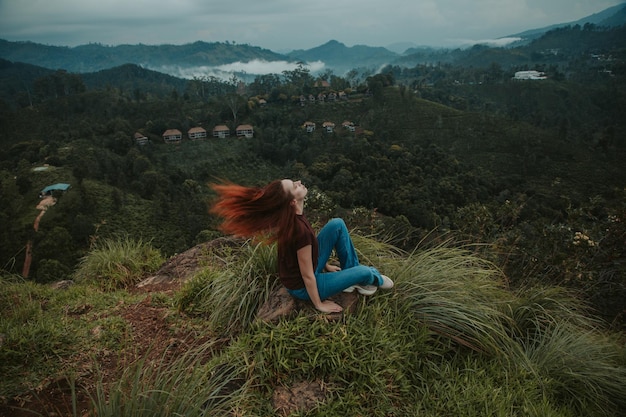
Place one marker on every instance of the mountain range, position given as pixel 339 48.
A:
pixel 200 57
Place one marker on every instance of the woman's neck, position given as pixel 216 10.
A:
pixel 299 207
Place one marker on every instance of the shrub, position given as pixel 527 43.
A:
pixel 118 263
pixel 230 297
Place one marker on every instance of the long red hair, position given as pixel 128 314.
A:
pixel 255 211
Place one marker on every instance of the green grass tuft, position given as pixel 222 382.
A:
pixel 230 297
pixel 458 296
pixel 185 387
pixel 116 264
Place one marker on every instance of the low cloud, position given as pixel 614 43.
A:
pixel 260 67
pixel 226 71
pixel 491 42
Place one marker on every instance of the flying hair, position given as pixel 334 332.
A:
pixel 255 211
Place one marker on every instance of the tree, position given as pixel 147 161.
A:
pixel 300 78
pixel 59 84
pixel 264 84
pixel 235 103
pixel 495 72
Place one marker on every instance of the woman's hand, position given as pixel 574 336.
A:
pixel 332 268
pixel 328 306
pixel 305 262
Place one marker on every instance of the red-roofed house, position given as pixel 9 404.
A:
pixel 140 138
pixel 309 126
pixel 221 131
pixel 321 83
pixel 348 125
pixel 196 133
pixel 244 130
pixel 172 136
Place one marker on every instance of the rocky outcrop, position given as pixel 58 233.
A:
pixel 182 267
pixel 280 304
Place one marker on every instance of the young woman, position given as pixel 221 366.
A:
pixel 277 211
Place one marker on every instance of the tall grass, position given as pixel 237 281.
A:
pixel 450 339
pixel 458 296
pixel 577 367
pixel 376 253
pixel 564 346
pixel 230 297
pixel 363 364
pixel 185 387
pixel 535 308
pixel 405 351
pixel 118 263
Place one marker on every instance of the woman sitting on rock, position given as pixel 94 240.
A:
pixel 277 211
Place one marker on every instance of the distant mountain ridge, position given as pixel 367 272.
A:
pixel 611 17
pixel 95 57
pixel 337 55
pixel 334 55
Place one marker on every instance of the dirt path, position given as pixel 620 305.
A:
pixel 43 206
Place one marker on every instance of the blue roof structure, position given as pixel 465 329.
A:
pixel 59 186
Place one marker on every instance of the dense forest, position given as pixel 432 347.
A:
pixel 530 172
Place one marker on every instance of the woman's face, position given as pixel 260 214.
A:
pixel 295 188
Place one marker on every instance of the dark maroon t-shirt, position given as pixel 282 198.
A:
pixel 288 268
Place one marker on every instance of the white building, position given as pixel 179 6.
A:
pixel 530 75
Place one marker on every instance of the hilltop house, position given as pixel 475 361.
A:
pixel 309 126
pixel 328 126
pixel 321 84
pixel 221 131
pixel 348 125
pixel 244 130
pixel 140 139
pixel 196 133
pixel 172 136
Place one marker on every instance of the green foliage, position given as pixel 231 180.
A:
pixel 404 352
pixel 577 368
pixel 25 303
pixel 111 332
pixel 450 339
pixel 185 387
pixel 437 284
pixel 230 297
pixel 367 362
pixel 116 264
pixel 536 308
pixel 41 329
pixel 486 157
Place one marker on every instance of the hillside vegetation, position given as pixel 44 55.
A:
pixel 497 205
pixel 450 339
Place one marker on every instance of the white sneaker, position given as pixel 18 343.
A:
pixel 387 283
pixel 362 289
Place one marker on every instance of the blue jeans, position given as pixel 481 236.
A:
pixel 335 236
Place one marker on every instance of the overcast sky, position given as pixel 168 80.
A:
pixel 282 25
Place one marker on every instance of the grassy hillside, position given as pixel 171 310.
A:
pixel 497 206
pixel 450 339
pixel 415 166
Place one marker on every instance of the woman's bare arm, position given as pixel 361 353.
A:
pixel 305 262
